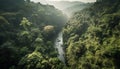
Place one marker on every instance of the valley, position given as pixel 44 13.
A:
pixel 37 34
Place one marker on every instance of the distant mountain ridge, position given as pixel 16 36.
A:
pixel 64 4
pixel 69 7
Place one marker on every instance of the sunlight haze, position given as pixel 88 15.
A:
pixel 75 0
pixel 64 0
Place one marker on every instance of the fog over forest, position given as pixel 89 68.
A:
pixel 59 34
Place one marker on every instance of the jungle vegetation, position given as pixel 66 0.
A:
pixel 92 37
pixel 27 31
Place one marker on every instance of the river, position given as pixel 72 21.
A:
pixel 58 46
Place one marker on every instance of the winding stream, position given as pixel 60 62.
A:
pixel 58 46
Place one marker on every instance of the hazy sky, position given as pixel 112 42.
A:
pixel 64 0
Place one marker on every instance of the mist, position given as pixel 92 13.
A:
pixel 68 7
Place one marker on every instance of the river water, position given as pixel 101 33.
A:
pixel 58 46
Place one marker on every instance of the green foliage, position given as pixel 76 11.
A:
pixel 24 43
pixel 25 23
pixel 3 20
pixel 92 37
pixel 37 61
pixel 6 5
pixel 8 50
pixel 3 23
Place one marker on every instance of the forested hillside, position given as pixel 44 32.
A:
pixel 64 4
pixel 76 7
pixel 92 37
pixel 27 31
pixel 28 34
pixel 69 7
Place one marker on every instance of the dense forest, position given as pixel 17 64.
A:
pixel 27 31
pixel 91 36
